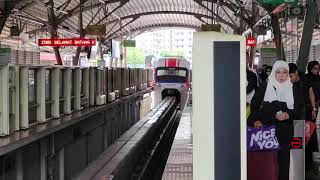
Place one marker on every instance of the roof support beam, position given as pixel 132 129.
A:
pixel 223 9
pixel 240 15
pixel 137 33
pixel 112 28
pixel 87 8
pixel 200 19
pixel 26 5
pixel 82 34
pixel 71 12
pixel 121 27
pixel 277 37
pixel 309 22
pixel 176 12
pixel 122 3
pixel 53 21
pixel 231 6
pixel 76 10
pixel 63 6
pixel 233 26
pixel 239 6
pixel 203 21
pixel 95 15
pixel 6 7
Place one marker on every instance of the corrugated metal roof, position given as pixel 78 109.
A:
pixel 145 14
pixel 129 17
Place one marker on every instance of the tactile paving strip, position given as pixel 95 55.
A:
pixel 179 163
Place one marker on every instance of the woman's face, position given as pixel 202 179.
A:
pixel 315 70
pixel 281 75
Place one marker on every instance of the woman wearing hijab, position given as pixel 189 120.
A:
pixel 312 80
pixel 273 104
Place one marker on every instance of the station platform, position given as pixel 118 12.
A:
pixel 315 174
pixel 179 163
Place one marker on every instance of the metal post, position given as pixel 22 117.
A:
pixel 19 159
pixel 61 164
pixel 4 100
pixel 67 91
pixel 277 37
pixel 100 97
pixel 43 159
pixel 111 62
pixel 92 82
pixel 24 100
pixel 86 86
pixel 55 110
pixel 98 82
pixel 15 100
pixel 77 89
pixel 41 94
pixel 254 34
pixel 125 57
pixel 309 22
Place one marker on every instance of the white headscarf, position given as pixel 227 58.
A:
pixel 279 91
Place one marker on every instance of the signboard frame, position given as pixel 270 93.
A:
pixel 67 42
pixel 129 43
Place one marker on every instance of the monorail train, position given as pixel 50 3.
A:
pixel 172 78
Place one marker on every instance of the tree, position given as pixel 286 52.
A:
pixel 176 53
pixel 180 52
pixel 135 56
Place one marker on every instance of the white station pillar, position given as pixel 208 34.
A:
pixel 219 120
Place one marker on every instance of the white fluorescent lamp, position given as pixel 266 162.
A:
pixel 64 12
pixel 102 1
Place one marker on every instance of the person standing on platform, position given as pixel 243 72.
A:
pixel 252 81
pixel 273 104
pixel 312 80
pixel 300 91
pixel 263 74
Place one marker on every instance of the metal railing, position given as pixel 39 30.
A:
pixel 32 94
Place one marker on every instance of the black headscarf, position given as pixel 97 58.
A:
pixel 310 75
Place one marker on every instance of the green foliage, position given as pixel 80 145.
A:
pixel 177 53
pixel 135 56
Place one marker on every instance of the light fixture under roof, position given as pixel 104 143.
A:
pixel 102 1
pixel 64 12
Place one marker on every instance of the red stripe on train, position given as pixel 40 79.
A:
pixel 172 63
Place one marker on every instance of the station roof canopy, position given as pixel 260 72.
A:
pixel 129 17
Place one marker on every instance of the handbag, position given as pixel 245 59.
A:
pixel 309 130
pixel 262 139
pixel 247 110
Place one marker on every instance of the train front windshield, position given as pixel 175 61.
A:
pixel 171 75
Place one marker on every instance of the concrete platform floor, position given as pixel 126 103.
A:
pixel 179 163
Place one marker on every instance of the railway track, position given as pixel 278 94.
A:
pixel 141 152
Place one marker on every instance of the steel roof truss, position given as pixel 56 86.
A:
pixel 177 12
pixel 95 15
pixel 118 7
pixel 123 26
